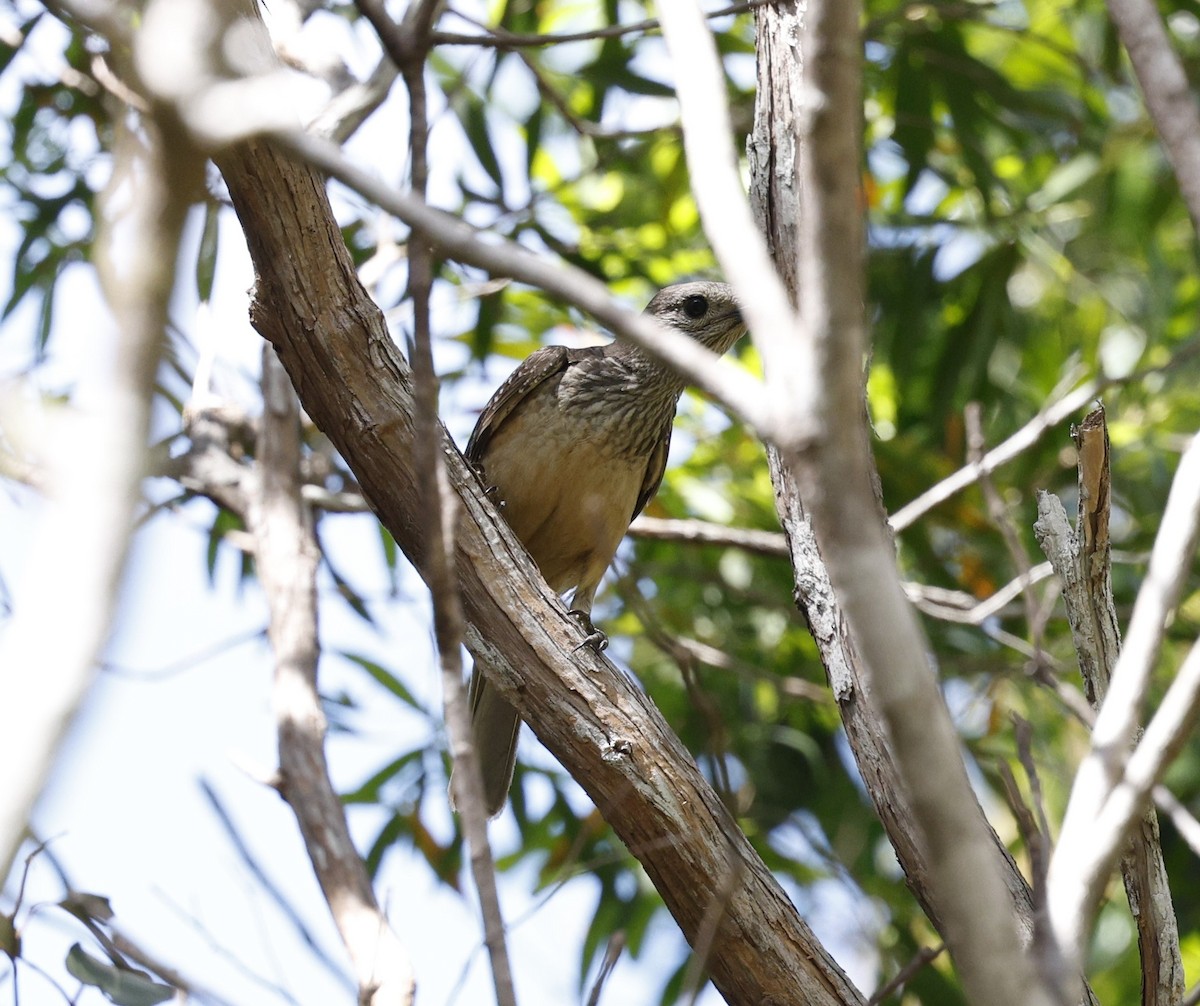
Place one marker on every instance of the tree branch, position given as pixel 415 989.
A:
pixel 728 221
pixel 1081 558
pixel 1167 91
pixel 807 199
pixel 287 554
pixel 1051 417
pixel 408 47
pixel 334 343
pixel 1108 786
pixel 497 38
pixel 701 532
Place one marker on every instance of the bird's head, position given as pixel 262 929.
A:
pixel 706 311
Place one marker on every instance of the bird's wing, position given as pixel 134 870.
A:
pixel 540 366
pixel 656 465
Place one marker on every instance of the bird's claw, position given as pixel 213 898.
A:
pixel 596 639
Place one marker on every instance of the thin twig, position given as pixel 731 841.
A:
pixel 702 532
pixel 937 602
pixel 204 933
pixel 353 105
pixel 965 609
pixel 1047 419
pixel 585 127
pixel 408 46
pixel 278 896
pixel 83 908
pixel 182 664
pixel 1038 842
pixel 1183 819
pixel 1027 826
pixel 612 954
pixel 923 958
pixel 1002 519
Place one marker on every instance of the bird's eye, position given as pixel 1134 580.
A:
pixel 695 306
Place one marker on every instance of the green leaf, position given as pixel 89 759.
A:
pixel 347 592
pixel 386 678
pixel 87 907
pixel 371 790
pixel 391 556
pixel 387 837
pixel 223 523
pixel 206 256
pixel 122 986
pixel 475 124
pixel 914 111
pixel 533 137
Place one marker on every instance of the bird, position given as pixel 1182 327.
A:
pixel 572 446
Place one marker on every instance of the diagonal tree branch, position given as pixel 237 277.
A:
pixel 807 204
pixel 1167 91
pixel 353 383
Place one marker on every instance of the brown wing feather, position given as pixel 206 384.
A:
pixel 656 465
pixel 539 366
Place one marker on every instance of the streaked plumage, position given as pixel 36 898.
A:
pixel 574 445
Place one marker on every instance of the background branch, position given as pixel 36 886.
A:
pixel 1081 559
pixel 1167 91
pixel 1086 853
pixel 287 555
pixel 872 648
pixel 408 46
pixel 95 470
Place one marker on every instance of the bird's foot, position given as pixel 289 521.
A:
pixel 596 639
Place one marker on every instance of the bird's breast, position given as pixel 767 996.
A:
pixel 568 470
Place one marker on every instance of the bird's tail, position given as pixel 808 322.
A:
pixel 494 728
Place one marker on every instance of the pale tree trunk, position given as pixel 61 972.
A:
pixel 789 93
